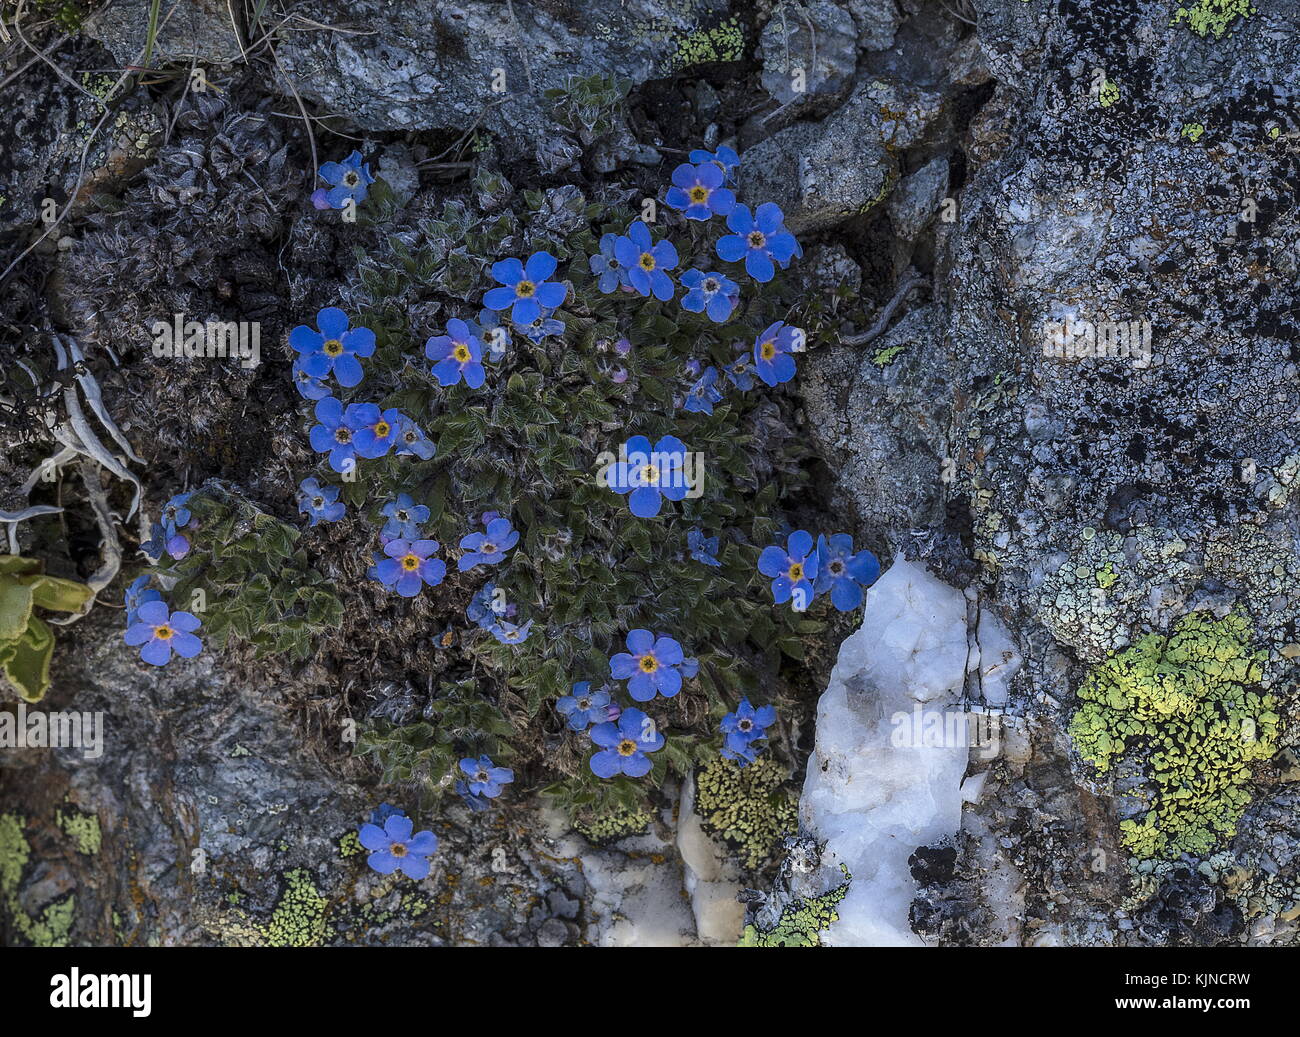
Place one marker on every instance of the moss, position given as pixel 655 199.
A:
pixel 1213 17
pixel 801 923
pixel 299 917
pixel 1191 708
pixel 82 829
pixel 749 807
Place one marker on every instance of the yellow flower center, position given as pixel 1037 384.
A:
pixel 461 353
pixel 649 664
pixel 699 194
pixel 647 261
pixel 650 474
pixel 332 347
pixel 382 429
pixel 626 747
pixel 410 562
pixel 525 289
pixel 796 572
pixel 163 633
pixel 767 350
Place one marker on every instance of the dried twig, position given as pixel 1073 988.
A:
pixel 910 281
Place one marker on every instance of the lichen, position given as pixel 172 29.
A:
pixel 613 824
pixel 722 42
pixel 82 829
pixel 1192 708
pixel 52 927
pixel 1193 131
pixel 1213 17
pixel 299 918
pixel 749 807
pixel 801 923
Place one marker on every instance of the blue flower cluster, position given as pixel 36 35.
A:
pixel 348 180
pixel 801 571
pixel 744 729
pixel 166 536
pixel 150 625
pixel 394 844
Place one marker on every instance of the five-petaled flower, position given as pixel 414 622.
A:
pixel 726 158
pixel 760 240
pixel 584 707
pixel 408 566
pixel 456 355
pixel 393 847
pixel 333 435
pixel 791 569
pixel 610 273
pixel 335 347
pixel 711 294
pixel 161 632
pixel 646 263
pixel 510 633
pixel 373 431
pixel 489 547
pixel 484 777
pixel 404 518
pixel 412 440
pixel 319 502
pixel 703 549
pixel 698 191
pixel 746 726
pixel 136 595
pixel 623 745
pixel 347 179
pixel 704 393
pixel 773 361
pixel 651 665
pixel 844 573
pixel 308 385
pixel 526 290
pixel 740 373
pixel 649 474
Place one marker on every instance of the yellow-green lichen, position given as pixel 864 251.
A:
pixel 1193 131
pixel 885 357
pixel 299 918
pixel 612 825
pixel 749 807
pixel 82 829
pixel 52 927
pixel 1193 707
pixel 1108 94
pixel 350 845
pixel 801 923
pixel 1213 17
pixel 722 42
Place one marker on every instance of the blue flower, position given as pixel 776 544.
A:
pixel 175 515
pixel 647 474
pixel 747 725
pixel 475 803
pixel 485 608
pixel 699 192
pixel 739 373
pixel 773 361
pixel 175 545
pixel 484 777
pixel 727 160
pixel 584 707
pixel 791 569
pixel 136 595
pixel 320 502
pixel 544 325
pixel 610 273
pixel 703 549
pixel 510 633
pixel 404 518
pixel 412 440
pixel 623 745
pixel 704 393
pixel 333 435
pixel 333 347
pixel 308 385
pixel 741 754
pixel 408 566
pixel 758 240
pixel 526 289
pixel 393 847
pixel 645 262
pixel 494 335
pixel 713 294
pixel 383 812
pixel 373 431
pixel 347 179
pixel 456 355
pixel 161 632
pixel 650 665
pixel 844 573
pixel 490 547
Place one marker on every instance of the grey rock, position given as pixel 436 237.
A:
pixel 809 54
pixel 914 202
pixel 877 22
pixel 201 31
